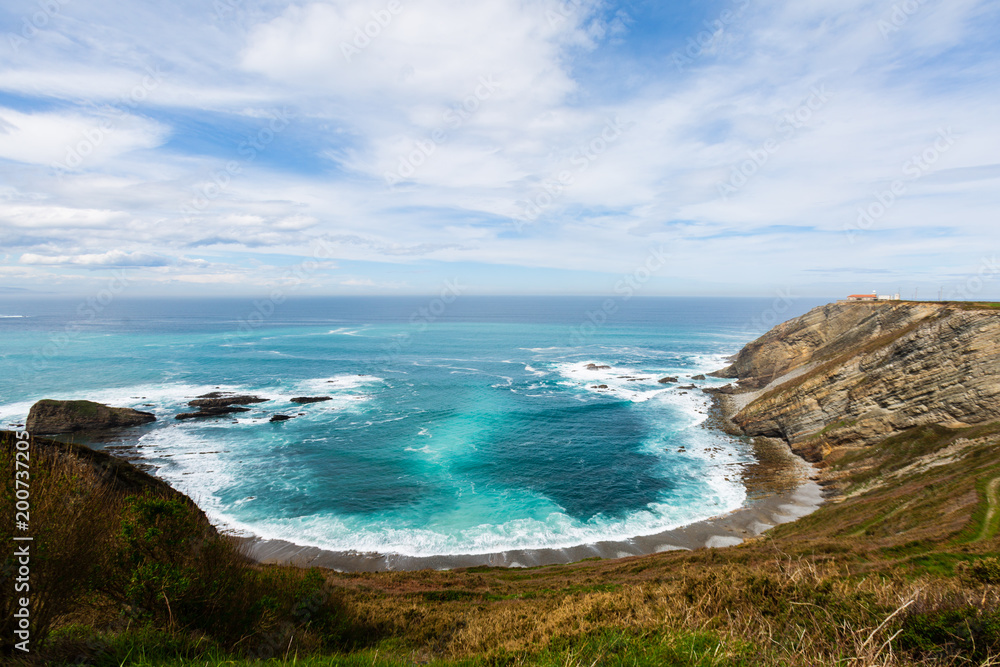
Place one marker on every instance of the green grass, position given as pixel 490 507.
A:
pixel 983 526
pixel 652 649
pixel 938 563
pixel 610 648
pixel 835 425
pixel 974 305
pixel 86 408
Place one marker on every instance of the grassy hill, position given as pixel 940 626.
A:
pixel 900 569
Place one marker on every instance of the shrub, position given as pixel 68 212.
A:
pixel 966 633
pixel 173 569
pixel 986 570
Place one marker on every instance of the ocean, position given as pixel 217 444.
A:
pixel 455 425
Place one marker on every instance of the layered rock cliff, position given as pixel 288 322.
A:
pixel 851 374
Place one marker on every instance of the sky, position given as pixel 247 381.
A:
pixel 736 147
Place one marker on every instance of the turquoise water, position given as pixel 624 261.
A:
pixel 466 427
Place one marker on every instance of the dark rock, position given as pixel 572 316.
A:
pixel 216 411
pixel 687 386
pixel 600 386
pixel 49 417
pixel 697 377
pixel 311 399
pixel 595 367
pixel 280 418
pixel 222 401
pixel 727 389
pixel 667 379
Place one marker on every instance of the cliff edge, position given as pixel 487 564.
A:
pixel 851 374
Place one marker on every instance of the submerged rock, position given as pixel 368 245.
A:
pixel 49 417
pixel 280 418
pixel 311 399
pixel 216 411
pixel 596 367
pixel 218 401
pixel 667 379
pixel 697 377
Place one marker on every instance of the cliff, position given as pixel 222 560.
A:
pixel 81 461
pixel 850 374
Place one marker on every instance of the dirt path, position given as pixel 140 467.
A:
pixel 992 506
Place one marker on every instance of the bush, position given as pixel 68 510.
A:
pixel 986 571
pixel 965 633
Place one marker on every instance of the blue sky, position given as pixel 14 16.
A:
pixel 812 147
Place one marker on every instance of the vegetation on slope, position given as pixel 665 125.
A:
pixel 900 569
pixel 118 558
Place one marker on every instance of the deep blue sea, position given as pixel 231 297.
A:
pixel 468 425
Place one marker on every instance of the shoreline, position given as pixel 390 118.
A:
pixel 781 487
pixel 722 531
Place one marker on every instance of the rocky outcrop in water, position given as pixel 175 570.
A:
pixel 49 417
pixel 851 374
pixel 218 404
pixel 215 411
pixel 219 400
pixel 311 399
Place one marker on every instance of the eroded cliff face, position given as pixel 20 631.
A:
pixel 860 372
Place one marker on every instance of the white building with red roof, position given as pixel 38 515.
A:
pixel 874 296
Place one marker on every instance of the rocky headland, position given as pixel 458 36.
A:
pixel 848 375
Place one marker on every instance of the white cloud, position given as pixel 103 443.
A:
pixel 111 258
pixel 73 140
pixel 60 217
pixel 501 145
